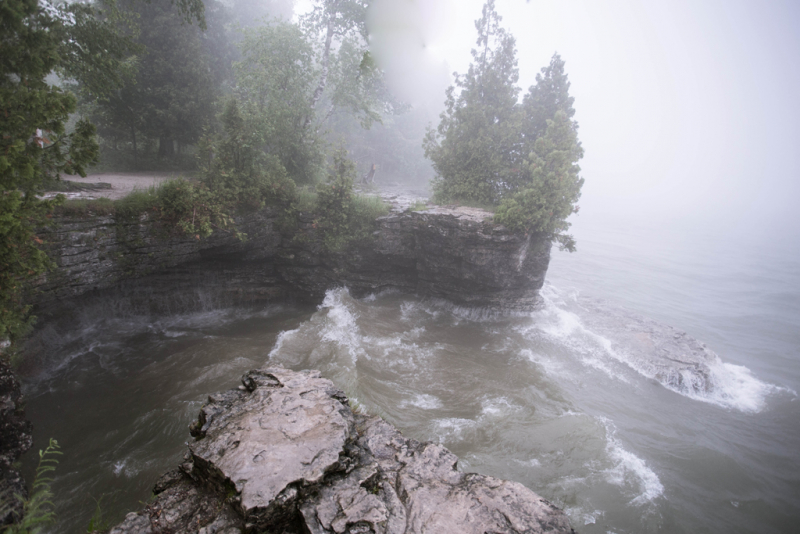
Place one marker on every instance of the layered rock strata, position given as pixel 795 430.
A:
pixel 284 453
pixel 449 253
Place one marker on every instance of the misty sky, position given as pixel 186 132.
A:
pixel 688 109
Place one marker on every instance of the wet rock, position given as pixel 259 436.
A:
pixel 269 443
pixel 286 454
pixel 453 253
pixel 182 506
pixel 656 350
pixel 15 439
pixel 409 486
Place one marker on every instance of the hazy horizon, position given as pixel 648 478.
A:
pixel 687 110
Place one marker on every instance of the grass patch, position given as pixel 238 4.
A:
pixel 138 201
pixel 419 205
pixel 369 207
pixel 85 207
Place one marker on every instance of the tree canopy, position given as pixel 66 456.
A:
pixel 492 150
pixel 476 148
pixel 39 39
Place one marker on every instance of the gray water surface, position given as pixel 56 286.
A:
pixel 559 399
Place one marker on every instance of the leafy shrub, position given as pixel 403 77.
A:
pixel 343 217
pixel 137 202
pixel 191 208
pixel 38 509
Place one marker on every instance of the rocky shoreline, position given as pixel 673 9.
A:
pixel 285 453
pixel 454 253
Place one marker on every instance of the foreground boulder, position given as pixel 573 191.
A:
pixel 284 453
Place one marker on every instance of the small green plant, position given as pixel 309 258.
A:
pixel 97 523
pixel 191 208
pixel 38 509
pixel 419 205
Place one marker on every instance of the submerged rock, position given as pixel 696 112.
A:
pixel 286 454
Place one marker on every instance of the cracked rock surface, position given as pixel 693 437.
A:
pixel 284 453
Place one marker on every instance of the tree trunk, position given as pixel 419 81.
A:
pixel 323 79
pixel 133 134
pixel 166 147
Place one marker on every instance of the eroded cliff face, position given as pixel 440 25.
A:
pixel 285 453
pixel 454 254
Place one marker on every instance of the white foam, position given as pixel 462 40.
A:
pixel 630 470
pixel 550 366
pixel 452 428
pixel 283 337
pixel 497 406
pixel 121 468
pixel 340 325
pixel 723 384
pixel 424 401
pixel 583 516
pixel 733 386
pixel 533 462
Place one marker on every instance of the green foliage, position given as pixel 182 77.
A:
pixel 491 150
pixel 476 148
pixel 419 205
pixel 38 509
pixel 174 77
pixel 138 202
pixel 334 203
pixel 38 39
pixel 98 523
pixel 83 207
pixel 341 216
pixel 274 83
pixel 545 202
pixel 548 96
pixel 305 200
pixel 191 208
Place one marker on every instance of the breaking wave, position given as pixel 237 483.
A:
pixel 600 335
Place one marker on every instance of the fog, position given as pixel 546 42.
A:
pixel 687 110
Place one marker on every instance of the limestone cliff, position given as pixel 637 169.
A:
pixel 449 253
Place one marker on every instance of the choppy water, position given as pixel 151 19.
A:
pixel 563 399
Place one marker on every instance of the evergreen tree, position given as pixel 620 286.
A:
pixel 553 186
pixel 476 149
pixel 549 96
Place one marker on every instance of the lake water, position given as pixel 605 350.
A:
pixel 560 399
